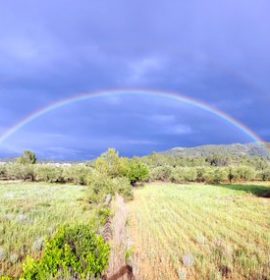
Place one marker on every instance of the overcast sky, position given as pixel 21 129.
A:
pixel 215 51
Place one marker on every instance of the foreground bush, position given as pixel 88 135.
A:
pixel 75 252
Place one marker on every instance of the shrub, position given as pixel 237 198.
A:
pixel 177 176
pixel 190 174
pixel 77 174
pixel 15 171
pixel 75 252
pixel 101 185
pixel 122 186
pixel 183 174
pixel 212 175
pixel 3 172
pixel 161 173
pixel 202 174
pixel 111 164
pixel 264 175
pixel 104 213
pixel 137 171
pixel 217 176
pixel 242 173
pixel 50 174
pixel 28 157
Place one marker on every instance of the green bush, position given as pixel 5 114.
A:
pixel 217 175
pixel 101 185
pixel 103 213
pixel 75 252
pixel 111 165
pixel 3 172
pixel 177 176
pixel 122 186
pixel 183 174
pixel 28 157
pixel 202 174
pixel 77 174
pixel 15 171
pixel 161 173
pixel 137 171
pixel 49 173
pixel 264 175
pixel 242 173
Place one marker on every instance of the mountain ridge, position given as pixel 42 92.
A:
pixel 237 149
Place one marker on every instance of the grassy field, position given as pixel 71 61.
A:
pixel 29 213
pixel 201 232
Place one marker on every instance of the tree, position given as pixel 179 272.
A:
pixel 137 171
pixel 111 164
pixel 28 157
pixel 217 160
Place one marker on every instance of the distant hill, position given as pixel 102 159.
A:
pixel 235 150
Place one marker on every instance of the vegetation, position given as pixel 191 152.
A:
pixel 201 231
pixel 32 212
pixel 49 222
pixel 74 252
pixel 28 157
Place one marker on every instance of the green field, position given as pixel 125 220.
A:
pixel 29 213
pixel 192 231
pixel 200 232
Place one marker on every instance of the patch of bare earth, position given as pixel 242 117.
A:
pixel 120 244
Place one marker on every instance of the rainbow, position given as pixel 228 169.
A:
pixel 172 95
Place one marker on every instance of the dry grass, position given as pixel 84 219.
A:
pixel 29 213
pixel 201 232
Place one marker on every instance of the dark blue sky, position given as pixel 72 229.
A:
pixel 214 51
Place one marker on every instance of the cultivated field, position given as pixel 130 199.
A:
pixel 200 232
pixel 29 213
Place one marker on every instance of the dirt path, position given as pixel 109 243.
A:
pixel 120 244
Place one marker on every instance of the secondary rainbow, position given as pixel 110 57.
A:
pixel 172 95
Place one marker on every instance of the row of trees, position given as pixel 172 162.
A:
pixel 214 160
pixel 111 169
pixel 211 175
pixel 109 164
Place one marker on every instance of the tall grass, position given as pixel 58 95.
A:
pixel 31 212
pixel 201 232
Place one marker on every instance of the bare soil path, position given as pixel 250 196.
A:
pixel 119 268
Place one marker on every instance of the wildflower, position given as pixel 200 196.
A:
pixel 188 260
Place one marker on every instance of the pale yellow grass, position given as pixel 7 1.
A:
pixel 200 232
